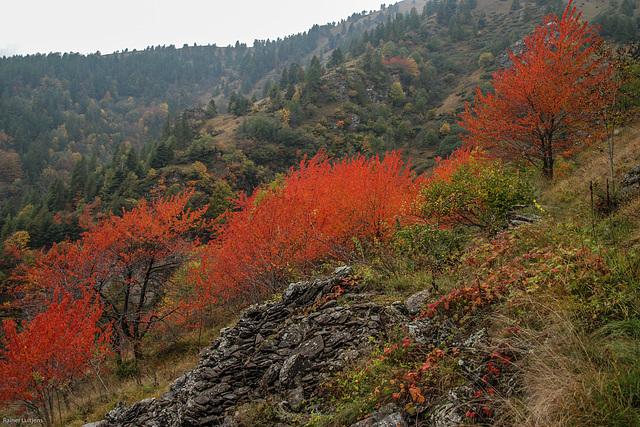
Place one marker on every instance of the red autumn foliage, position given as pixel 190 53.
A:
pixel 446 168
pixel 549 102
pixel 128 261
pixel 396 63
pixel 315 213
pixel 51 351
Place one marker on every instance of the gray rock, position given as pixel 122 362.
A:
pixel 343 272
pixel 294 290
pixel 286 347
pixel 312 348
pixel 451 412
pixel 415 303
pixel 630 183
pixel 388 416
pixel 296 398
pixel 291 367
pixel 292 337
pixel 475 338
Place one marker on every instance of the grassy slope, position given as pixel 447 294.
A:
pixel 568 321
pixel 576 355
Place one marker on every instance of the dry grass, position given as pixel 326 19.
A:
pixel 631 211
pixel 557 373
pixel 590 8
pixel 574 370
pixel 225 123
pixel 593 166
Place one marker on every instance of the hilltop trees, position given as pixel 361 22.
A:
pixel 550 101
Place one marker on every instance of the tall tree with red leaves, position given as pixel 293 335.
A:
pixel 128 261
pixel 550 101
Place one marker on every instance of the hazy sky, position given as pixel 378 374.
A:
pixel 86 26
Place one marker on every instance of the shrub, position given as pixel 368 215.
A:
pixel 469 189
pixel 310 215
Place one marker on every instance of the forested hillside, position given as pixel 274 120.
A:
pixel 153 194
pixel 394 79
pixel 64 111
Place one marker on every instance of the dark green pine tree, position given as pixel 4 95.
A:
pixel 132 162
pixel 211 111
pixel 78 181
pixel 336 59
pixel 627 7
pixel 162 155
pixel 313 80
pixel 56 198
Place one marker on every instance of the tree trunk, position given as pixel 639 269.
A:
pixel 137 350
pixel 547 160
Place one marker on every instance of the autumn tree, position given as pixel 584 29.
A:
pixel 623 61
pixel 41 362
pixel 397 97
pixel 549 102
pixel 127 260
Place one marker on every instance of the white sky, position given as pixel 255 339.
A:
pixel 86 26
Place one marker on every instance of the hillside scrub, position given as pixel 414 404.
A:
pixel 560 348
pixel 149 270
pixel 126 260
pixel 42 361
pixel 336 210
pixel 307 217
pixel 471 189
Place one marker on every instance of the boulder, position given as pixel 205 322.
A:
pixel 388 416
pixel 415 303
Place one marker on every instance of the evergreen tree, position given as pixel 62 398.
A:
pixel 78 181
pixel 627 7
pixel 337 58
pixel 397 97
pixel 211 111
pixel 56 196
pixel 132 162
pixel 162 155
pixel 284 78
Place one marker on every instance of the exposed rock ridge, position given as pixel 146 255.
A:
pixel 631 182
pixel 275 348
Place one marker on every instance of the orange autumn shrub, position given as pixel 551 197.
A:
pixel 314 213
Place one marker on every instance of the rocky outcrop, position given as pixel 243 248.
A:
pixel 285 348
pixel 630 183
pixel 338 84
pixel 195 115
pixel 503 60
